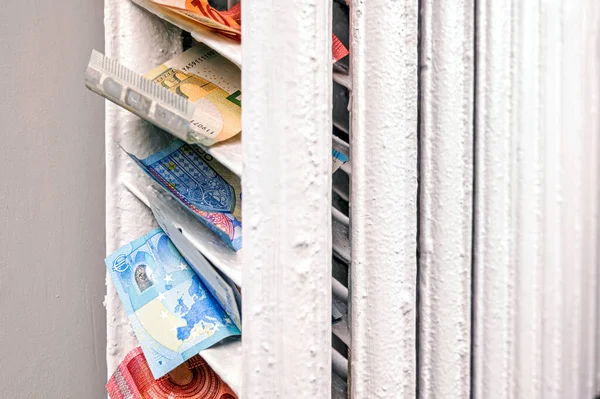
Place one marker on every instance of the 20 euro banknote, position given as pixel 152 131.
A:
pixel 173 315
pixel 213 84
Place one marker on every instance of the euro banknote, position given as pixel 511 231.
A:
pixel 204 186
pixel 339 154
pixel 179 96
pixel 173 315
pixel 224 22
pixel 193 379
pixel 227 23
pixel 133 92
pixel 186 236
pixel 212 83
pixel 168 213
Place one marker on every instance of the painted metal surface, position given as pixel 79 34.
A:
pixel 495 260
pixel 383 197
pixel 525 199
pixel 579 154
pixel 552 274
pixel 519 102
pixel 536 199
pixel 446 190
pixel 287 199
pixel 591 340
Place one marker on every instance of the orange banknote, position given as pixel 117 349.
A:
pixel 223 22
pixel 227 23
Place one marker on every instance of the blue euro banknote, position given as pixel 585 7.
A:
pixel 173 315
pixel 208 189
pixel 205 187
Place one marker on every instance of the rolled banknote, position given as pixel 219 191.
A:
pixel 213 84
pixel 173 315
pixel 193 379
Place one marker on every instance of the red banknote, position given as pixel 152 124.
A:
pixel 194 379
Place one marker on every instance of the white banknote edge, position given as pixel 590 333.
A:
pixel 176 217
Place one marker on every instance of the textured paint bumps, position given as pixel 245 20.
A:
pixel 286 182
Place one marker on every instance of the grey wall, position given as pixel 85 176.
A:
pixel 52 321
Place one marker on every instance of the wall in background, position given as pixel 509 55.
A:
pixel 52 241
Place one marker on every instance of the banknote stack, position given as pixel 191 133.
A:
pixel 226 23
pixel 213 84
pixel 193 379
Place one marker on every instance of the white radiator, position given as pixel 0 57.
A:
pixel 463 234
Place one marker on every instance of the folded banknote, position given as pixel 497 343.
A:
pixel 204 186
pixel 187 236
pixel 173 315
pixel 208 189
pixel 193 379
pixel 168 211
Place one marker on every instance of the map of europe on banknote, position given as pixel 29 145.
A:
pixel 210 190
pixel 173 315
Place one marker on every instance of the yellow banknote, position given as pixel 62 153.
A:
pixel 213 83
